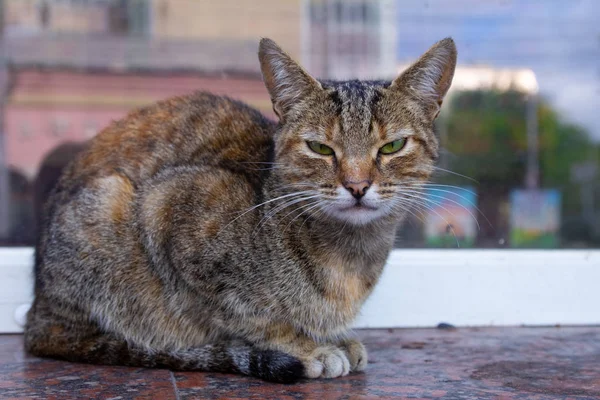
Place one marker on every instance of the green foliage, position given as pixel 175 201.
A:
pixel 484 136
pixel 486 139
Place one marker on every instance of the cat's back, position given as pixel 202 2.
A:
pixel 92 214
pixel 197 129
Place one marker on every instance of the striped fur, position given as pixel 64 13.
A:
pixel 195 234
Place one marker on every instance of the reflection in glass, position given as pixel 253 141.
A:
pixel 519 133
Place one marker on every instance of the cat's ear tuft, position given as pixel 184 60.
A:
pixel 430 77
pixel 287 82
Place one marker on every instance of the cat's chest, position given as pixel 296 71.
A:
pixel 346 283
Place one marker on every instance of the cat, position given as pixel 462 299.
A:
pixel 196 234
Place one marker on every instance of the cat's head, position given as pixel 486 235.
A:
pixel 356 150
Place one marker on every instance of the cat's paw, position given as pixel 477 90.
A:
pixel 327 362
pixel 356 353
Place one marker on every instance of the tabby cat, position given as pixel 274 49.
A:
pixel 195 234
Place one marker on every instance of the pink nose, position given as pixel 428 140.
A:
pixel 358 189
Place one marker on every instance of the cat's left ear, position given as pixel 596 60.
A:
pixel 287 82
pixel 430 77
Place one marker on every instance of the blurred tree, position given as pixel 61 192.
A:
pixel 485 139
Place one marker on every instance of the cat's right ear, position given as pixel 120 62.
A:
pixel 287 82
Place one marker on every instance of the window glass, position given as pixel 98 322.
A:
pixel 520 139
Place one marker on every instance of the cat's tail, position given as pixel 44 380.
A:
pixel 101 348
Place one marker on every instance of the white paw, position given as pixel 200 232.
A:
pixel 327 362
pixel 356 353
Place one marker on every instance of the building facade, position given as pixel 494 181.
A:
pixel 76 65
pixel 349 39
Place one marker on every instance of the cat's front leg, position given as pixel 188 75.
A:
pixel 332 361
pixel 322 359
pixel 326 362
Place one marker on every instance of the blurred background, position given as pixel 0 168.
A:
pixel 520 130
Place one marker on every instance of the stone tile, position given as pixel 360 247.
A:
pixel 11 350
pixel 493 363
pixel 490 363
pixel 26 377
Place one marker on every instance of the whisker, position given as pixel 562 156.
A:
pixel 401 202
pixel 454 202
pixel 424 204
pixel 456 173
pixel 462 197
pixel 417 203
pixel 304 206
pixel 432 184
pixel 420 184
pixel 320 210
pixel 296 185
pixel 428 200
pixel 279 208
pixel 297 216
pixel 296 209
pixel 262 204
pixel 290 202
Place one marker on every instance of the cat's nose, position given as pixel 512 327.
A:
pixel 358 189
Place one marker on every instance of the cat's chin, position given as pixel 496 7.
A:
pixel 358 215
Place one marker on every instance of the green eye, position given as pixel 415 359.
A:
pixel 393 147
pixel 320 148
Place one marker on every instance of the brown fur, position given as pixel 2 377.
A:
pixel 196 234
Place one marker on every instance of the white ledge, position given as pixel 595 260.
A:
pixel 421 288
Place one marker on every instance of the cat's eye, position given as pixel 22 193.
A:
pixel 320 148
pixel 393 147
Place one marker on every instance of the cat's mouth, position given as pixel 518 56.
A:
pixel 359 206
pixel 358 213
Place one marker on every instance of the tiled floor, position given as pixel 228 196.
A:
pixel 493 363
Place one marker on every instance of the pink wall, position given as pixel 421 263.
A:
pixel 47 108
pixel 32 132
pixel 150 86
